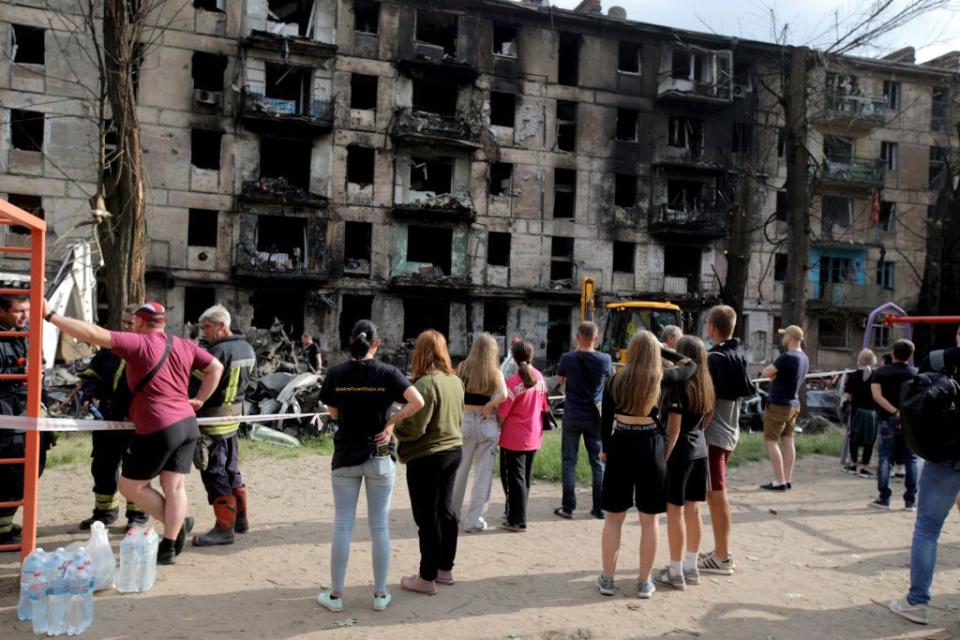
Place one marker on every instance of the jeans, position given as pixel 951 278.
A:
pixel 480 437
pixel 379 474
pixel 516 467
pixel 430 482
pixel 939 487
pixel 222 475
pixel 570 448
pixel 892 444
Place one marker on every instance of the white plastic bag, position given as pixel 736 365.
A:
pixel 101 553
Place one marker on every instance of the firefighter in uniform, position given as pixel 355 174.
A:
pixel 14 311
pixel 105 388
pixel 218 455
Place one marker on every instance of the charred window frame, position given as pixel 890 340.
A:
pixel 568 59
pixel 685 133
pixel 836 211
pixel 288 159
pixel 366 16
pixel 361 163
pixel 628 58
pixel 624 257
pixel 29 203
pixel 196 300
pixel 625 190
pixel 299 12
pixel 26 130
pixel 561 258
pixel 363 91
pixel 495 314
pixel 207 71
pixel 564 193
pixel 205 149
pixel 838 149
pixel 435 97
pixel 431 245
pixel 505 39
pixel 202 227
pixel 357 247
pixel 503 109
pixel 498 249
pixel 433 175
pixel 628 121
pixel 501 178
pixel 438 29
pixel 216 6
pixel 352 310
pixel 780 267
pixel 566 125
pixel 28 46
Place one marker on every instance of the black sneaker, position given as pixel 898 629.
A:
pixel 106 516
pixel 10 537
pixel 880 504
pixel 599 515
pixel 182 536
pixel 167 552
pixel 770 486
pixel 909 506
pixel 789 485
pixel 850 468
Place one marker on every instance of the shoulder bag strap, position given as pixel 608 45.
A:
pixel 145 380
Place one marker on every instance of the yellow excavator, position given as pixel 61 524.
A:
pixel 624 318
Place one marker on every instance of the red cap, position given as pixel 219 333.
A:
pixel 150 310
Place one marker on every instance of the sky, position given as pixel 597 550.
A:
pixel 809 22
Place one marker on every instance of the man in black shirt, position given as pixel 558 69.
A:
pixel 885 387
pixel 311 352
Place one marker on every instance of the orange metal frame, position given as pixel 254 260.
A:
pixel 11 215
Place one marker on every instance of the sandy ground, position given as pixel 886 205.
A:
pixel 810 564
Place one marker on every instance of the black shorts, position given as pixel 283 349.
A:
pixel 170 449
pixel 686 481
pixel 635 473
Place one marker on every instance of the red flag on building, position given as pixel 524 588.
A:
pixel 875 207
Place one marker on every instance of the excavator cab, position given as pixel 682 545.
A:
pixel 625 319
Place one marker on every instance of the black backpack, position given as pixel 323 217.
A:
pixel 930 413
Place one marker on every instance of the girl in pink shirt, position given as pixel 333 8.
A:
pixel 521 434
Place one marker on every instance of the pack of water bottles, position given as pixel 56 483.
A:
pixel 56 591
pixel 138 560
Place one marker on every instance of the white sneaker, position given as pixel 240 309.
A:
pixel 329 602
pixel 380 603
pixel 912 612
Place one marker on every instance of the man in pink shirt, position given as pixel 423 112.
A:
pixel 158 373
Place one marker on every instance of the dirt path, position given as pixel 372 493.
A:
pixel 810 562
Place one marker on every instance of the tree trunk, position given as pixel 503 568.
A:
pixel 798 188
pixel 738 245
pixel 124 251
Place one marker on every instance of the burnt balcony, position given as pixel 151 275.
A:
pixel 685 286
pixel 279 191
pixel 462 129
pixel 425 61
pixel 288 43
pixel 443 207
pixel 853 112
pixel 852 173
pixel 846 295
pixel 693 158
pixel 285 264
pixel 694 74
pixel 290 118
pixel 706 221
pixel 429 277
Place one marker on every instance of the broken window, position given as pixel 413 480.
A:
pixel 628 60
pixel 832 333
pixel 568 61
pixel 891 94
pixel 565 193
pixel 625 190
pixel 685 133
pixel 835 212
pixel 782 207
pixel 31 204
pixel 434 175
pixel 888 216
pixel 503 108
pixel 561 259
pixel 285 305
pixel 886 270
pixel 837 149
pixel 685 195
pixel 360 163
pixel 680 68
pixel 627 124
pixel 287 159
pixel 202 228
pixel 357 247
pixel 495 317
pixel 888 153
pixel 505 39
pixel 566 125
pixel 26 130
pixel 421 314
pixel 207 71
pixel 937 168
pixel 205 148
pixel 559 331
pixel 498 249
pixel 430 245
pixel 433 97
pixel 363 91
pixel 780 267
pixel 352 310
pixel 288 90
pixel 742 135
pixel 938 109
pixel 28 44
pixel 438 29
pixel 500 177
pixel 299 12
pixel 210 5
pixel 196 300
pixel 282 235
pixel 683 264
pixel 366 16
pixel 624 254
pixel 742 76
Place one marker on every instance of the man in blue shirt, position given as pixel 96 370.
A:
pixel 783 407
pixel 583 373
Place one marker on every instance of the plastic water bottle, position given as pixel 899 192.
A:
pixel 88 596
pixel 127 577
pixel 33 563
pixel 147 555
pixel 37 590
pixel 76 589
pixel 58 596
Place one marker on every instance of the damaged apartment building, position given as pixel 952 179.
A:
pixel 463 165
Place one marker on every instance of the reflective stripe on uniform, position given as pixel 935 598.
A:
pixel 220 429
pixel 106 501
pixel 119 374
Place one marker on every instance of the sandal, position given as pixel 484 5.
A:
pixel 418 585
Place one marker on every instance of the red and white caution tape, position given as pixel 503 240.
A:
pixel 23 423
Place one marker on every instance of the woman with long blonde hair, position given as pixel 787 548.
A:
pixel 863 413
pixel 484 391
pixel 633 451
pixel 430 446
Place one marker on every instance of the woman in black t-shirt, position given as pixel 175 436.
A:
pixel 688 409
pixel 359 395
pixel 863 413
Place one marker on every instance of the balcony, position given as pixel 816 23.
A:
pixel 700 222
pixel 846 295
pixel 425 61
pixel 290 118
pixel 278 191
pixel 854 173
pixel 287 42
pixel 853 112
pixel 685 287
pixel 442 207
pixel 290 264
pixel 694 74
pixel 422 126
pixel 695 158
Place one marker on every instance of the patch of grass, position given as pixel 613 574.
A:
pixel 751 447
pixel 254 449
pixel 71 448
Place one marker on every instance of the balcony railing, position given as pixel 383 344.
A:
pixel 704 220
pixel 284 263
pixel 305 117
pixel 854 171
pixel 870 110
pixel 685 286
pixel 461 128
pixel 850 295
pixel 438 207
